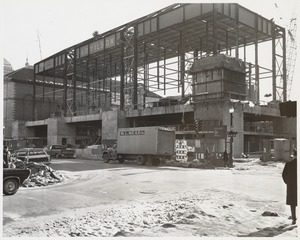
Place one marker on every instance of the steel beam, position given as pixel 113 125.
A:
pixel 256 58
pixel 34 92
pixel 182 63
pixel 135 68
pixel 74 106
pixel 122 72
pixel 65 79
pixel 274 82
pixel 284 70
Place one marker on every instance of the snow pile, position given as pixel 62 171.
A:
pixel 41 174
pixel 203 214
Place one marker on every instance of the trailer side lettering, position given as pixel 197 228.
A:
pixel 131 133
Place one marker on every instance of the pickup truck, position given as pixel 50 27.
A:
pixel 13 179
pixel 59 151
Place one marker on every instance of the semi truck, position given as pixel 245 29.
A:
pixel 144 144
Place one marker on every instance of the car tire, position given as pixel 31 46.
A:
pixel 105 158
pixel 10 186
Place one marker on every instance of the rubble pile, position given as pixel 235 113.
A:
pixel 41 174
pixel 191 164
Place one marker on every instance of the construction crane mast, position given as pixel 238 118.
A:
pixel 291 53
pixel 39 40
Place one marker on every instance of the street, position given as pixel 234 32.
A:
pixel 134 200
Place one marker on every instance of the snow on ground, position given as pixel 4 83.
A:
pixel 208 213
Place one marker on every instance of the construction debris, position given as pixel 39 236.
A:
pixel 191 164
pixel 41 174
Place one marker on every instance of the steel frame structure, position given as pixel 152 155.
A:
pixel 154 53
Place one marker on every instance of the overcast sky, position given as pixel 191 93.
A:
pixel 40 28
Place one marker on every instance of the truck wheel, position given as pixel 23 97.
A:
pixel 155 161
pixel 10 186
pixel 141 160
pixel 121 160
pixel 105 158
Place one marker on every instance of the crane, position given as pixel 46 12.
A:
pixel 291 53
pixel 38 36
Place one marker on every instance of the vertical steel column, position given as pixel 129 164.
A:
pixel 157 61
pixel 194 78
pixel 104 77
pixel 34 92
pixel 178 67
pixel 207 42
pixel 88 83
pixel 201 50
pixel 256 58
pixel 44 83
pixel 214 28
pixel 165 70
pixel 122 100
pixel 245 50
pixel 237 32
pixel 284 71
pixel 135 68
pixel 115 83
pixel 274 84
pixel 145 74
pixel 74 107
pixel 97 90
pixel 182 63
pixel 110 80
pixel 226 42
pixel 54 81
pixel 250 73
pixel 65 107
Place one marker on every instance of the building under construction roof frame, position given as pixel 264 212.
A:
pixel 156 51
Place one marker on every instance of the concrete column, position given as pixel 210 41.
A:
pixel 111 121
pixel 237 126
pixel 20 131
pixel 58 130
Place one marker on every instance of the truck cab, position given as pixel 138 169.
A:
pixel 110 153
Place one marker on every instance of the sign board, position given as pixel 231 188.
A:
pixel 220 132
pixel 181 150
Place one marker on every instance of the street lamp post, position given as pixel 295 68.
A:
pixel 231 111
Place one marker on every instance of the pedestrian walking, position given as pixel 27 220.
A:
pixel 225 158
pixel 6 157
pixel 289 176
pixel 207 153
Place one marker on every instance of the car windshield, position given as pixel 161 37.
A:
pixel 36 152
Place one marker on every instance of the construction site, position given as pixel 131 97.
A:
pixel 192 68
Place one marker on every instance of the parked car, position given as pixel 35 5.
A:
pixel 58 151
pixel 13 179
pixel 37 155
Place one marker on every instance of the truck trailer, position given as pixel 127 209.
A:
pixel 143 144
